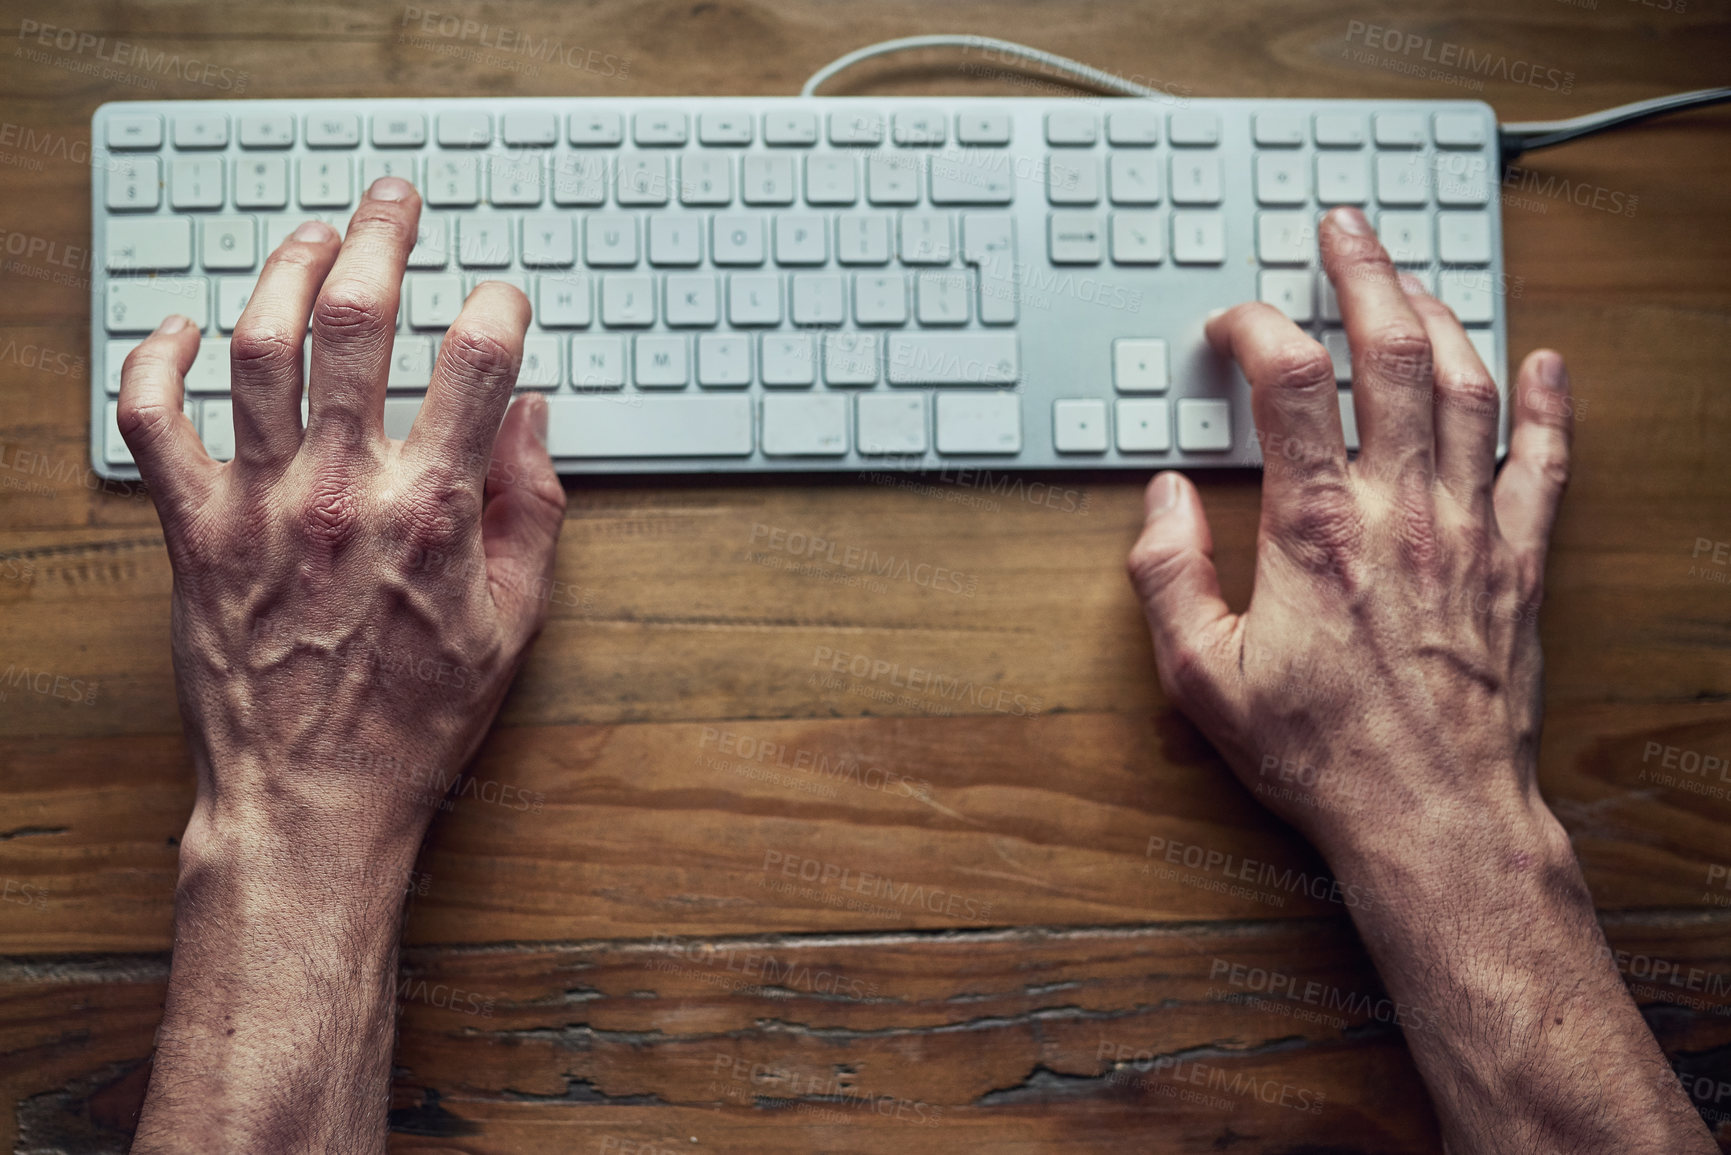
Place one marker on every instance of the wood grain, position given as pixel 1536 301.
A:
pixel 994 957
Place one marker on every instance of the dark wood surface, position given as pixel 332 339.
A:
pixel 601 952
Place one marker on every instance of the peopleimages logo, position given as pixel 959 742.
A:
pixel 1460 58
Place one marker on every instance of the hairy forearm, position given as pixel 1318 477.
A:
pixel 1524 1033
pixel 281 1005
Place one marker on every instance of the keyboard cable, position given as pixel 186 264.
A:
pixel 1514 138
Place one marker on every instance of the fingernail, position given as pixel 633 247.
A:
pixel 1553 374
pixel 1213 313
pixel 314 231
pixel 1352 221
pixel 1165 495
pixel 173 323
pixel 538 418
pixel 389 188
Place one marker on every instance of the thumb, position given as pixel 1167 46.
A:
pixel 1172 568
pixel 524 512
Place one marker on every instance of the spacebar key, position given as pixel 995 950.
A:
pixel 631 425
pixel 954 359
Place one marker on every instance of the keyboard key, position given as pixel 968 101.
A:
pixel 940 299
pixel 1399 130
pixel 989 244
pixel 754 299
pixel 880 299
pixel 216 427
pixel 786 359
pixel 817 299
pixel 1462 179
pixel 660 362
pixel 140 130
pixel 149 244
pixel 692 300
pixel 808 425
pixel 1340 130
pixel 1074 238
pixel 1288 290
pixel 114 449
pixel 1138 238
pixel 232 294
pixel 767 180
pixel 737 240
pixel 610 239
pixel 484 241
pixel 919 127
pixel 1193 129
pixel 954 359
pixel 411 363
pixel 134 183
pixel 1484 343
pixel 579 179
pixel 548 241
pixel 642 179
pixel 333 130
pixel 891 423
pixel 857 127
pixel 1132 126
pixel 893 179
pixel 465 129
pixel 403 166
pixel 431 250
pixel 529 129
pixel 1196 179
pixel 1073 180
pixel 326 182
pixel 267 130
pixel 209 372
pixel 400 414
pixel 198 130
pixel 979 423
pixel 723 361
pixel 660 127
pixel 1348 419
pixel 1133 178
pixel 690 426
pixel 982 126
pixel 261 182
pixel 540 368
pixel 1406 236
pixel 453 181
pixel 597 362
pixel 1065 126
pixel 227 242
pixel 724 128
pixel 1282 178
pixel 795 127
pixel 434 301
pixel 800 240
pixel 830 179
pixel 1463 238
pixel 974 178
pixel 563 302
pixel 1458 130
pixel 1079 426
pixel 514 181
pixel 850 358
pixel 595 129
pixel 1139 365
pixel 1342 178
pixel 675 240
pixel 706 178
pixel 1279 129
pixel 862 239
pixel 627 301
pixel 1402 178
pixel 1144 425
pixel 138 304
pixel 399 130
pixel 1339 352
pixel 1285 238
pixel 1204 425
pixel 1198 238
pixel 925 239
pixel 195 182
pixel 1469 293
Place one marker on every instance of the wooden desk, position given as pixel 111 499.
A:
pixel 1032 977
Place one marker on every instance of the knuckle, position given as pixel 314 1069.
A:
pixel 1301 366
pixel 142 421
pixel 380 223
pixel 330 514
pixel 444 508
pixel 1400 351
pixel 478 356
pixel 1326 530
pixel 1470 390
pixel 264 347
pixel 351 311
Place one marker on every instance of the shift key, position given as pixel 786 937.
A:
pixel 139 304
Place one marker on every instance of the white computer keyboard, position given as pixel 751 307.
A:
pixel 749 284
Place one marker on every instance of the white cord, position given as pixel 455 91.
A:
pixel 1527 135
pixel 1074 68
